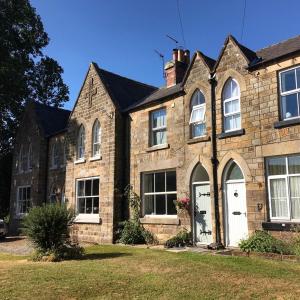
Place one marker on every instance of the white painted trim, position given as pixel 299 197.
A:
pixel 96 158
pixel 87 218
pixel 79 161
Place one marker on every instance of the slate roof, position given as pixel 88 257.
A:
pixel 51 119
pixel 123 91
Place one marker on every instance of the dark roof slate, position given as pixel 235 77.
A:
pixel 124 92
pixel 52 120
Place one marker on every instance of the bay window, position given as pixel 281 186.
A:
pixel 159 193
pixel 284 187
pixel 289 93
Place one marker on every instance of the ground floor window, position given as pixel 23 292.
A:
pixel 88 196
pixel 24 199
pixel 159 193
pixel 284 187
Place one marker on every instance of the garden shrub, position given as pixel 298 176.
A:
pixel 181 239
pixel 262 241
pixel 48 227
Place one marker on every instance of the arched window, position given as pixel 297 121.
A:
pixel 55 155
pixel 234 172
pixel 81 143
pixel 197 118
pixel 96 138
pixel 231 105
pixel 23 159
pixel 199 174
pixel 30 157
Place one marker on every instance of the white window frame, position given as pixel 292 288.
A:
pixel 21 187
pixel 96 140
pixel 159 128
pixel 158 193
pixel 286 178
pixel 237 112
pixel 287 93
pixel 86 218
pixel 81 144
pixel 195 108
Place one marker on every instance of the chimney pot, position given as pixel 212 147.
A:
pixel 175 54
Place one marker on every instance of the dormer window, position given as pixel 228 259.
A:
pixel 197 117
pixel 231 105
pixel 289 93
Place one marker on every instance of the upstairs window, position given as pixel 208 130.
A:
pixel 55 156
pixel 96 139
pixel 81 143
pixel 197 118
pixel 23 159
pixel 289 93
pixel 231 106
pixel 30 158
pixel 158 127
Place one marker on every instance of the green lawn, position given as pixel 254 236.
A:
pixel 119 272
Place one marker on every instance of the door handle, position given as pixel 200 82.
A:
pixel 204 194
pixel 236 213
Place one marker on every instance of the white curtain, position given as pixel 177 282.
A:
pixel 233 122
pixel 295 196
pixel 279 198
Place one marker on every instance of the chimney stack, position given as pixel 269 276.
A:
pixel 175 69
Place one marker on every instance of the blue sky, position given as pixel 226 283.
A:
pixel 121 35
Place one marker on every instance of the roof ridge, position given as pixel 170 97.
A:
pixel 281 42
pixel 121 76
pixel 51 107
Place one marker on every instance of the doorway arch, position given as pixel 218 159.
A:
pixel 235 204
pixel 201 202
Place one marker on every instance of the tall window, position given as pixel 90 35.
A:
pixel 231 106
pixel 23 159
pixel 158 127
pixel 24 199
pixel 81 143
pixel 55 155
pixel 54 194
pixel 96 139
pixel 284 187
pixel 159 193
pixel 289 93
pixel 30 157
pixel 88 196
pixel 197 118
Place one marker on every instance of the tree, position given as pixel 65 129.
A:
pixel 25 73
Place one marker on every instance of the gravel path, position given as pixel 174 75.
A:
pixel 15 245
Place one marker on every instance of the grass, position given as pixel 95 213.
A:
pixel 121 272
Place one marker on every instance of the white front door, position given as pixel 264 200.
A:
pixel 202 214
pixel 236 212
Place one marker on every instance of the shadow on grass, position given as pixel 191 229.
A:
pixel 100 256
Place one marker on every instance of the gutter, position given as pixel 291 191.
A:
pixel 215 162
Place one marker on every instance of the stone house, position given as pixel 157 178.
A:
pixel 224 134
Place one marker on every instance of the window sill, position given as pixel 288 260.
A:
pixel 286 123
pixel 87 218
pixel 158 147
pixel 199 139
pixel 160 220
pixel 279 225
pixel 95 158
pixel 234 133
pixel 79 161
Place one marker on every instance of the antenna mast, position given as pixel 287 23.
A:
pixel 163 61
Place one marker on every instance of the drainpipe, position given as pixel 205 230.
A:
pixel 214 160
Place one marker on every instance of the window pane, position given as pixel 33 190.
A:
pixel 160 204
pixel 232 106
pixel 198 114
pixel 227 90
pixel 171 205
pixel 294 164
pixel 199 174
pixel 278 198
pixel 80 188
pixel 159 118
pixel 234 172
pixel 160 182
pixel 295 196
pixel 159 137
pixel 148 183
pixel 88 187
pixel 298 77
pixel 96 205
pixel 234 89
pixel 289 106
pixel 24 194
pixel 288 81
pixel 277 166
pixel 95 187
pixel 149 204
pixel 233 122
pixel 81 205
pixel 198 130
pixel 89 205
pixel 171 181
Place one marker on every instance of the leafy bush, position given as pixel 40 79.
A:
pixel 262 241
pixel 181 239
pixel 48 228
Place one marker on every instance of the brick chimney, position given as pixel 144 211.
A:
pixel 175 69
